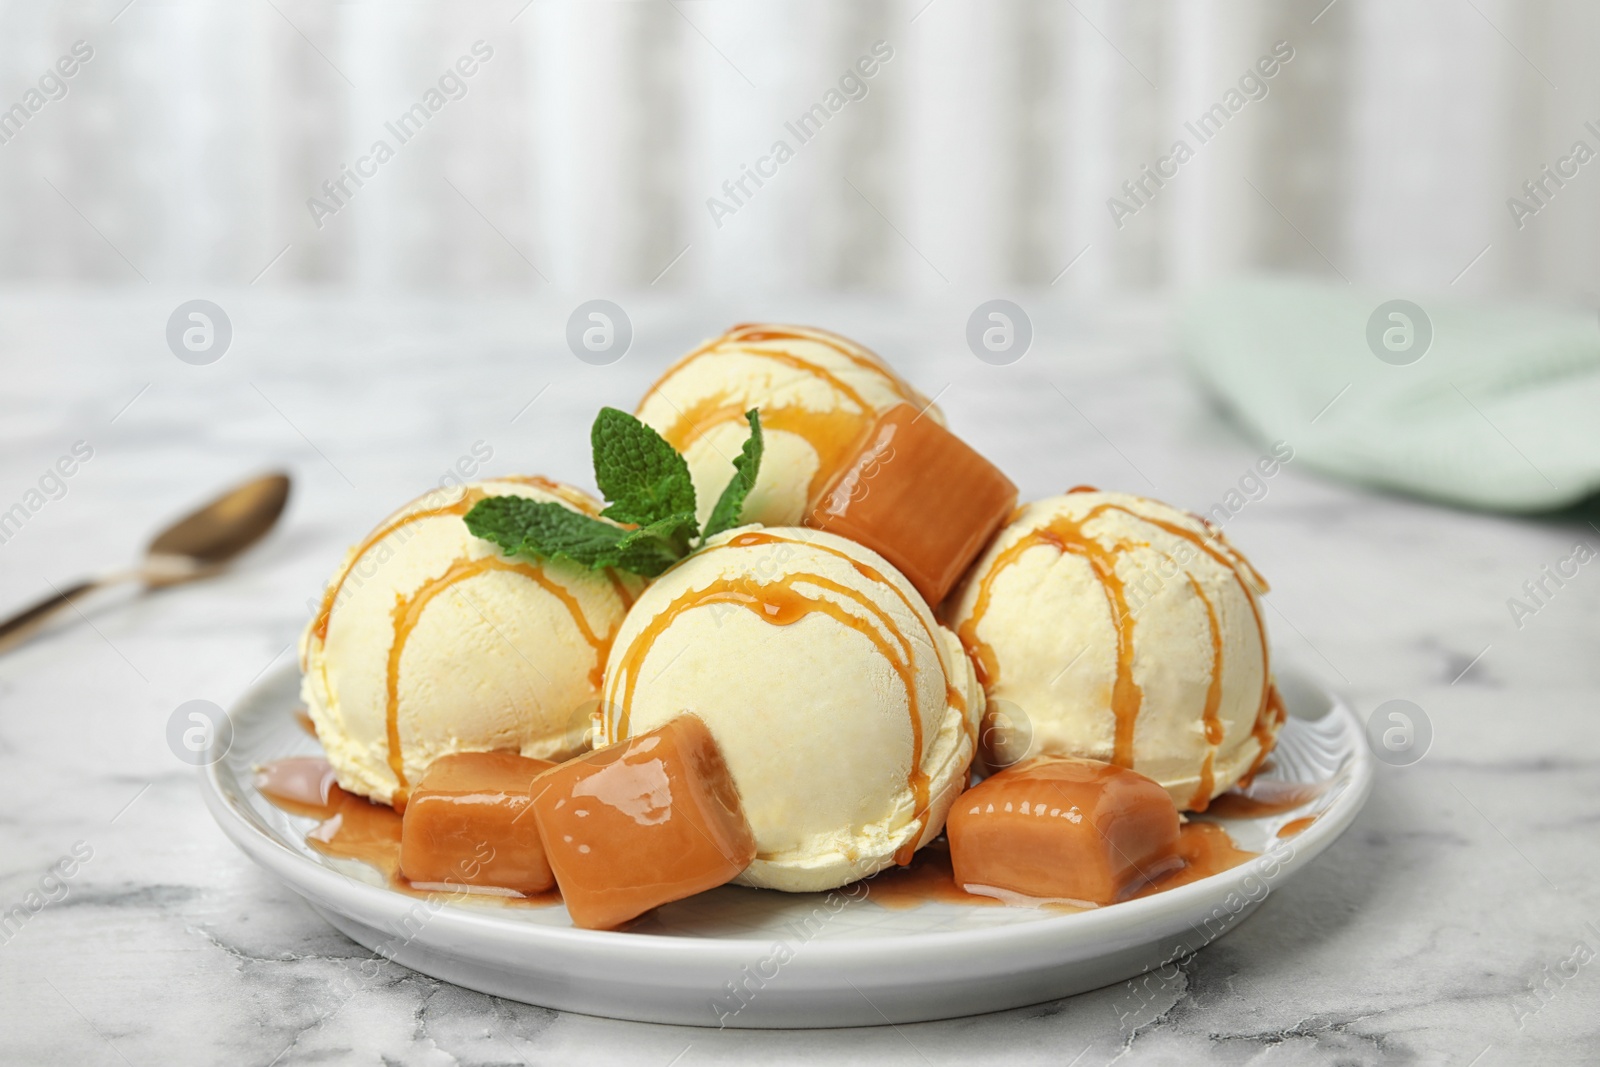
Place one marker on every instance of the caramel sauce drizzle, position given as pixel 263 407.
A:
pixel 1208 716
pixel 1067 535
pixel 984 662
pixel 1236 560
pixel 620 586
pixel 1264 731
pixel 866 359
pixel 459 507
pixel 778 603
pixel 408 612
pixel 1264 728
pixel 953 696
pixel 958 700
pixel 756 333
pixel 833 434
pixel 867 571
pixel 331 594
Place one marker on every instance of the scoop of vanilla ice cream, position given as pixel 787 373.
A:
pixel 818 394
pixel 846 713
pixel 1120 629
pixel 431 641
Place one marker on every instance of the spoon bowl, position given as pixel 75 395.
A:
pixel 202 541
pixel 197 545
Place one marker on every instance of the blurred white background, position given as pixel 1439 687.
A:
pixel 582 153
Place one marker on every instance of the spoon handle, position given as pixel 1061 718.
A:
pixel 19 627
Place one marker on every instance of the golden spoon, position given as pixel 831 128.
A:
pixel 196 546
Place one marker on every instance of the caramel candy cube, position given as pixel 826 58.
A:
pixel 1062 828
pixel 916 494
pixel 641 823
pixel 470 822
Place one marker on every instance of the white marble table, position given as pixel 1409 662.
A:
pixel 1418 938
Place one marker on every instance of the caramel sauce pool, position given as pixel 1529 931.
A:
pixel 1204 847
pixel 1295 826
pixel 352 827
pixel 349 827
pixel 1265 798
pixel 927 878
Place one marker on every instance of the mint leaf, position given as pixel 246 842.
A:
pixel 544 529
pixel 547 530
pixel 730 505
pixel 651 549
pixel 642 477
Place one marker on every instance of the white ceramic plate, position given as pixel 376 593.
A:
pixel 753 958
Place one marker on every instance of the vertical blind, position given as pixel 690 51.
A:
pixel 994 143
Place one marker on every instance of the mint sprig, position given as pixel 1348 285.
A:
pixel 647 487
pixel 725 516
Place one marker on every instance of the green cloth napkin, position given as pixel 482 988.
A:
pixel 1501 412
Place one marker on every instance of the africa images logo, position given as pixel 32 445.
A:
pixel 1141 189
pixel 452 86
pixel 808 124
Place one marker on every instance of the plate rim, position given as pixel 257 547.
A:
pixel 295 870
